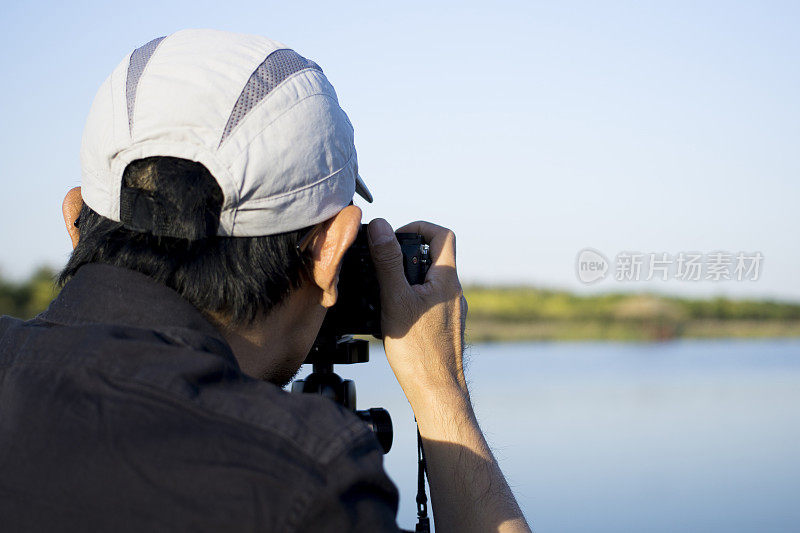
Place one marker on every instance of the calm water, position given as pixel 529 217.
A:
pixel 685 436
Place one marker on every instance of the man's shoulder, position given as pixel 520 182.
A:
pixel 185 380
pixel 7 322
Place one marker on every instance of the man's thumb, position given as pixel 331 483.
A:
pixel 386 256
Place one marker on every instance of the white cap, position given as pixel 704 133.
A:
pixel 262 119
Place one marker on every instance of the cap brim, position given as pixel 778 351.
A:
pixel 361 189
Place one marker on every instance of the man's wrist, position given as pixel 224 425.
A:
pixel 442 412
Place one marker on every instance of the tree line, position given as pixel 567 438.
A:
pixel 27 298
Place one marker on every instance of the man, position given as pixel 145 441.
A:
pixel 215 209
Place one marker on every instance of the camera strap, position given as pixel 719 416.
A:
pixel 423 522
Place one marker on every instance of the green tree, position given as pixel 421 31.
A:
pixel 30 297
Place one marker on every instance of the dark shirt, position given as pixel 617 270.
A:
pixel 123 409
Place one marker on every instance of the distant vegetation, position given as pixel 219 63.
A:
pixel 27 299
pixel 526 313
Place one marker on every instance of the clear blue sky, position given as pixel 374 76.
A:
pixel 534 130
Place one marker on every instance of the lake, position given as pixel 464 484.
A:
pixel 623 437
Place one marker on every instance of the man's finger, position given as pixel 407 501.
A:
pixel 441 240
pixel 387 257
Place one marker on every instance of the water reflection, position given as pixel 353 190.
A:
pixel 683 436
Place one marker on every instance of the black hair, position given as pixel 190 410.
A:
pixel 235 277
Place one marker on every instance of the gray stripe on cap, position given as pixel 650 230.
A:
pixel 278 66
pixel 139 59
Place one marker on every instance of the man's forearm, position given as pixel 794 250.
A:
pixel 468 490
pixel 423 334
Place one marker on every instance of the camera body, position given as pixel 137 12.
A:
pixel 358 308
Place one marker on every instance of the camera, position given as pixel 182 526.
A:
pixel 358 308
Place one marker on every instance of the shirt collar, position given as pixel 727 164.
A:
pixel 106 294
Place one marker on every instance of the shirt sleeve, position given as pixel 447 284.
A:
pixel 357 494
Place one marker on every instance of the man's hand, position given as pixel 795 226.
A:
pixel 423 325
pixel 423 333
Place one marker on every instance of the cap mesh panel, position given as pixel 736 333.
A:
pixel 139 59
pixel 278 66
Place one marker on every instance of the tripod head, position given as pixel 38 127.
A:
pixel 343 350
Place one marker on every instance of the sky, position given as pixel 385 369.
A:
pixel 533 130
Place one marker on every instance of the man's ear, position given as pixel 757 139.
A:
pixel 71 208
pixel 331 240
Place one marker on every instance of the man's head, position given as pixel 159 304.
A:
pixel 267 295
pixel 206 157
